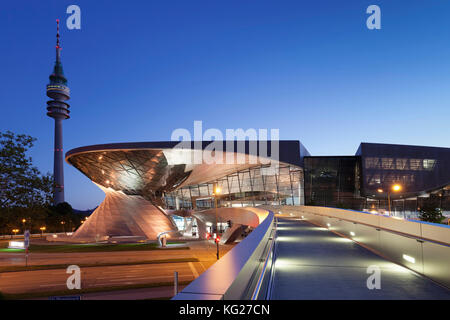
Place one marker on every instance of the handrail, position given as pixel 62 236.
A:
pixel 407 235
pixel 421 224
pixel 272 269
pixel 270 254
pixel 232 277
pixel 427 257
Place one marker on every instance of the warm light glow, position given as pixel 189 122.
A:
pixel 339 239
pixel 287 239
pixel 16 245
pixel 218 190
pixel 15 230
pixel 24 220
pixel 380 190
pixel 42 228
pixel 396 187
pixel 352 233
pixel 409 259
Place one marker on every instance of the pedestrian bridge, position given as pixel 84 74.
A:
pixel 325 253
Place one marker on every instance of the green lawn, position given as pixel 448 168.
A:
pixel 88 265
pixel 96 247
pixel 11 250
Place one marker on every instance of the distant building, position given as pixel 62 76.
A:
pixel 362 182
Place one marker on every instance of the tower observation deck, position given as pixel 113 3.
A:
pixel 58 109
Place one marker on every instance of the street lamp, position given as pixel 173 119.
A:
pixel 395 188
pixel 63 223
pixel 217 191
pixel 15 231
pixel 42 230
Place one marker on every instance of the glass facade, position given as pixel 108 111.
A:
pixel 352 182
pixel 255 186
pixel 333 182
pixel 417 169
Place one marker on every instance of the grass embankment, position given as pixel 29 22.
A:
pixel 90 290
pixel 88 265
pixel 94 247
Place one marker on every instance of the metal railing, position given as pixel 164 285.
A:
pixel 243 273
pixel 263 287
pixel 406 245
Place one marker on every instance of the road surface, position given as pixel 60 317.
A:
pixel 107 276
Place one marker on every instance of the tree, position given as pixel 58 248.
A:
pixel 24 191
pixel 21 184
pixel 430 213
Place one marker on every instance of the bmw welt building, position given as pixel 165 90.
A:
pixel 168 187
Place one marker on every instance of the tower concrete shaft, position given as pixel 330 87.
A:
pixel 58 164
pixel 58 109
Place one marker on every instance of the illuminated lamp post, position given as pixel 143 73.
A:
pixel 217 191
pixel 217 240
pixel 395 188
pixel 42 231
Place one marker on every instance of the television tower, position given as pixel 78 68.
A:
pixel 58 109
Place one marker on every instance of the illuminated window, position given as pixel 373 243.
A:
pixel 372 163
pixel 401 164
pixel 428 164
pixel 387 163
pixel 415 164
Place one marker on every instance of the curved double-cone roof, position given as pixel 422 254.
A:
pixel 154 167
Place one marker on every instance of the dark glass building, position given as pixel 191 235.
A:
pixel 363 181
pixel 332 181
pixel 417 169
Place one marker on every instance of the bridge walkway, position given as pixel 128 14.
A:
pixel 314 263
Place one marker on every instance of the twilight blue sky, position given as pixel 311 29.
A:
pixel 140 69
